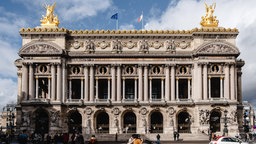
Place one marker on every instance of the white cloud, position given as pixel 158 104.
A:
pixel 8 92
pixel 127 27
pixel 230 13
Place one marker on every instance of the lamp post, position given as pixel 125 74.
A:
pixel 225 130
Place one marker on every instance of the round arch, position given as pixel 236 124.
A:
pixel 156 122
pixel 184 122
pixel 41 121
pixel 102 122
pixel 74 121
pixel 215 120
pixel 129 122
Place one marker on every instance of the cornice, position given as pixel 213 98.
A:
pixel 40 30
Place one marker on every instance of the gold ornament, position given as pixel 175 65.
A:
pixel 209 20
pixel 50 20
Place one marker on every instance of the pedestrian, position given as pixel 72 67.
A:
pixel 158 139
pixel 174 135
pixel 93 140
pixel 23 137
pixel 178 135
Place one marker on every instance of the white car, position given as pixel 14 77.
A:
pixel 227 140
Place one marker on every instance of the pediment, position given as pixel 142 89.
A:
pixel 217 48
pixel 41 48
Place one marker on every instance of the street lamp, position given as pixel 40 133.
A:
pixel 225 130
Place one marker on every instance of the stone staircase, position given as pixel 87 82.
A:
pixel 152 137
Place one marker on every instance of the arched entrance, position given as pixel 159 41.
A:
pixel 129 122
pixel 215 121
pixel 41 121
pixel 184 122
pixel 102 122
pixel 156 120
pixel 74 122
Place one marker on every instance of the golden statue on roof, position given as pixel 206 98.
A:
pixel 209 20
pixel 50 20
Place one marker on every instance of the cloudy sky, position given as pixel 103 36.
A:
pixel 95 14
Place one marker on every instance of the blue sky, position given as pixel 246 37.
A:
pixel 95 14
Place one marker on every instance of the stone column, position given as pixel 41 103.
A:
pixel 145 83
pixel 53 74
pixel 162 89
pixel 49 88
pixel 86 84
pixel 36 87
pixel 135 89
pixel 173 83
pixel 167 83
pixel 91 83
pixel 221 87
pixel 123 88
pixel 113 83
pixel 177 88
pixel 109 92
pixel 82 88
pixel 140 83
pixel 24 81
pixel 64 81
pixel 226 81
pixel 70 89
pixel 209 85
pixel 119 80
pixel 59 81
pixel 97 89
pixel 19 98
pixel 205 84
pixel 232 82
pixel 199 82
pixel 189 93
pixel 150 89
pixel 31 82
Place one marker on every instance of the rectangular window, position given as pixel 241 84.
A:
pixel 183 89
pixel 42 87
pixel 156 89
pixel 215 87
pixel 129 89
pixel 103 89
pixel 76 89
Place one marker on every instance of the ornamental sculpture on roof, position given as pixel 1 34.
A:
pixel 209 20
pixel 50 20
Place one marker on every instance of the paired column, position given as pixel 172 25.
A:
pixel 146 83
pixel 226 82
pixel 31 82
pixel 167 82
pixel 205 84
pixel 140 83
pixel 232 82
pixel 53 75
pixel 86 83
pixel 24 81
pixel 91 83
pixel 59 82
pixel 173 83
pixel 119 79
pixel 113 83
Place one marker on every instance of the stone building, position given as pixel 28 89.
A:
pixel 129 81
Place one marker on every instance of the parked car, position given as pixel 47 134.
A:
pixel 227 140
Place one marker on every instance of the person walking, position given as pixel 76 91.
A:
pixel 158 139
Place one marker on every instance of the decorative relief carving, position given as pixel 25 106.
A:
pixel 143 111
pixel 41 49
pixel 88 111
pixel 170 111
pixel 76 44
pixel 129 70
pixel 89 46
pixel 170 46
pixel 156 70
pixel 116 46
pixel 157 45
pixel 130 44
pixel 116 111
pixel 103 44
pixel 204 116
pixel 233 117
pixel 55 117
pixel 102 70
pixel 143 46
pixel 183 70
pixel 217 48
pixel 26 116
pixel 183 44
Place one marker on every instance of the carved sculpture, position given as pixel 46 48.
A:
pixel 204 116
pixel 50 19
pixel 116 46
pixel 143 46
pixel 55 117
pixel 209 20
pixel 89 46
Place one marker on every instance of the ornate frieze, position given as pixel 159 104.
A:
pixel 217 48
